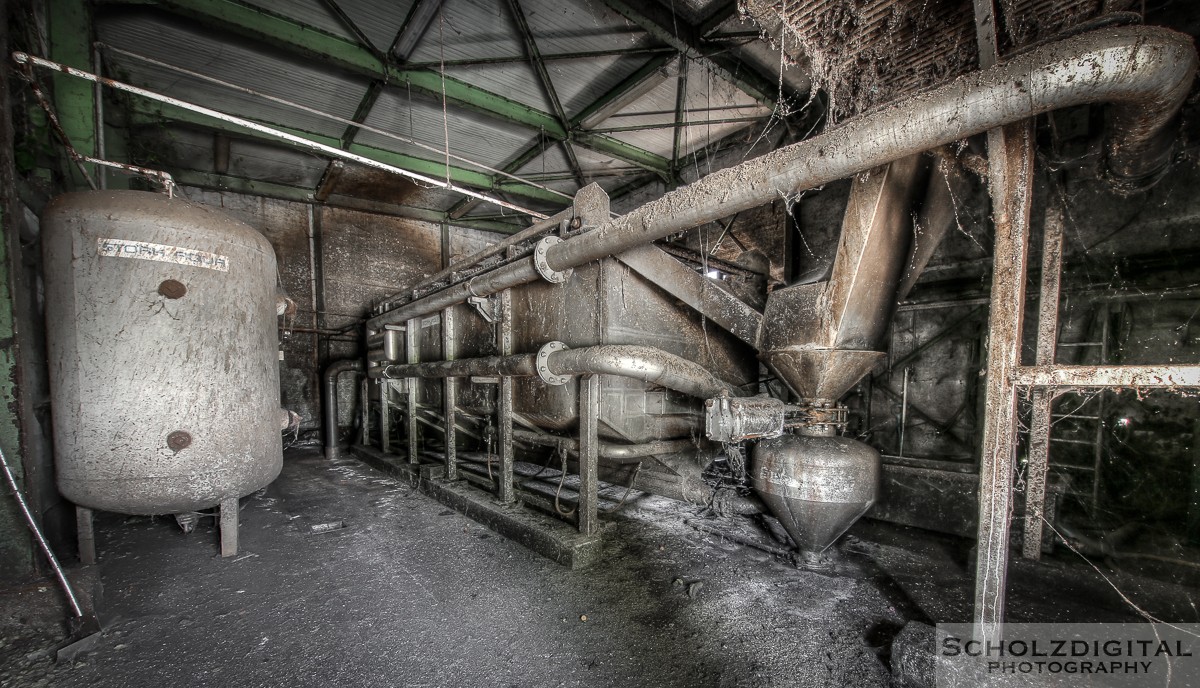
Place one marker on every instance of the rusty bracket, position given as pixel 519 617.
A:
pixel 486 306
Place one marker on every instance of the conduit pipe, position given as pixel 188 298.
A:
pixel 633 361
pixel 331 401
pixel 1144 72
pixel 614 453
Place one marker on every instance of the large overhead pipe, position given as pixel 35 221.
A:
pixel 554 364
pixel 332 431
pixel 1144 72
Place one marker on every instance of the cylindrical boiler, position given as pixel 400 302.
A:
pixel 162 340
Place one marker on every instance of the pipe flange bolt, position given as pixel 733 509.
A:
pixel 543 368
pixel 543 268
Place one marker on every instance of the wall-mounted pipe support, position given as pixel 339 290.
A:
pixel 332 372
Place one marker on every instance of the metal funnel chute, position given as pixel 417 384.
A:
pixel 821 339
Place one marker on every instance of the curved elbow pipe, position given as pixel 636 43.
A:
pixel 331 401
pixel 1145 72
pixel 638 362
pixel 641 363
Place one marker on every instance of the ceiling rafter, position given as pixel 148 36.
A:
pixel 633 86
pixel 539 66
pixel 152 115
pixel 294 37
pixel 415 25
pixel 664 25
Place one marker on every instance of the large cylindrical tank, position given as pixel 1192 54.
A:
pixel 162 339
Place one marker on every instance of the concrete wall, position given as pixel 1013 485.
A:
pixel 360 258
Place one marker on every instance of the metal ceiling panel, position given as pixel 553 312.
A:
pixel 305 82
pixel 379 20
pixel 718 97
pixel 471 135
pixel 465 30
pixel 310 12
pixel 582 26
pixel 514 80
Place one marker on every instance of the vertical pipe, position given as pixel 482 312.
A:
pixel 904 410
pixel 505 421
pixel 385 415
pixel 589 454
pixel 412 342
pixel 98 114
pixel 1043 400
pixel 86 534
pixel 1098 452
pixel 1010 181
pixel 365 411
pixel 229 527
pixel 449 393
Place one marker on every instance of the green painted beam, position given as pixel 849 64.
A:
pixel 70 34
pixel 294 37
pixel 153 114
pixel 661 23
pixel 299 194
pixel 626 85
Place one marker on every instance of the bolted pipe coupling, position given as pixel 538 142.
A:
pixel 543 268
pixel 543 361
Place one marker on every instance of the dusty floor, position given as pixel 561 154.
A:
pixel 409 593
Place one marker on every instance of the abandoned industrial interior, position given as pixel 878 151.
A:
pixel 590 342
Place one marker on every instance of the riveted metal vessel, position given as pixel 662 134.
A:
pixel 162 339
pixel 816 486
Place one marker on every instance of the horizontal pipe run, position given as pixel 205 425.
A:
pixel 638 362
pixel 1144 72
pixel 535 230
pixel 1144 376
pixel 331 401
pixel 613 453
pixel 25 58
pixel 523 365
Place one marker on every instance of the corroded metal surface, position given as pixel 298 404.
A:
pixel 817 486
pixel 1083 377
pixel 160 404
pixel 1010 176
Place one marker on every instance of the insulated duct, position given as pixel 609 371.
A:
pixel 1144 72
pixel 644 363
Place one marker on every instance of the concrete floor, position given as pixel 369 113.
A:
pixel 410 593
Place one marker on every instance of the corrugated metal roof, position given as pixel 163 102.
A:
pixel 568 27
pixel 310 12
pixel 515 81
pixel 720 99
pixel 307 83
pixel 465 30
pixel 379 20
pixel 472 135
pixel 764 56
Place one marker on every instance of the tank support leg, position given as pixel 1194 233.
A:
pixel 229 527
pixel 86 536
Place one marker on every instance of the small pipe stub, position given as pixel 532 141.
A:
pixel 543 359
pixel 543 268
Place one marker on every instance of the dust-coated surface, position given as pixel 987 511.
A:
pixel 411 594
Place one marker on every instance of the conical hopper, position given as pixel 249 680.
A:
pixel 816 486
pixel 820 373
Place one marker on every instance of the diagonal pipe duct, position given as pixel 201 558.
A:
pixel 1144 72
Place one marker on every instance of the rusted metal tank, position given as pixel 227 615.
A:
pixel 817 486
pixel 161 330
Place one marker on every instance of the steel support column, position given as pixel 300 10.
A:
pixel 589 452
pixel 505 407
pixel 449 394
pixel 412 339
pixel 1043 400
pixel 1010 180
